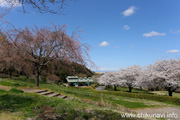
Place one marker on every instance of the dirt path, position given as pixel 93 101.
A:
pixel 171 113
pixel 100 88
pixel 29 90
pixel 41 92
pixel 5 87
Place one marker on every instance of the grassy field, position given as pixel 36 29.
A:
pixel 86 104
pixel 19 105
pixel 163 93
pixel 123 89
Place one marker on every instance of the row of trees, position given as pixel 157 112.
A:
pixel 32 50
pixel 164 74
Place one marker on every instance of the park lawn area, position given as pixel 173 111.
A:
pixel 18 106
pixel 18 82
pixel 11 116
pixel 134 90
pixel 124 89
pixel 112 100
pixel 86 94
pixel 165 93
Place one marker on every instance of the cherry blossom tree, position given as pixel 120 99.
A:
pixel 24 68
pixel 40 46
pixel 130 76
pixel 144 79
pixel 165 74
pixel 104 79
pixel 8 58
pixel 110 78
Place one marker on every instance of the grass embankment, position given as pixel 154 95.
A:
pixel 89 101
pixel 19 105
pixel 124 89
pixel 161 96
pixel 85 94
pixel 113 98
pixel 134 90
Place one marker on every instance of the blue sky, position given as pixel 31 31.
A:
pixel 121 33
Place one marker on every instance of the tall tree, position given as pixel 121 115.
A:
pixel 166 74
pixel 8 58
pixel 40 46
pixel 110 78
pixel 130 76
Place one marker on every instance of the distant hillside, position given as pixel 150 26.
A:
pixel 57 70
pixel 62 69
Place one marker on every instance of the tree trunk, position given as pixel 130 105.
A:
pixel 37 81
pixel 37 77
pixel 170 92
pixel 17 74
pixel 10 74
pixel 27 76
pixel 140 88
pixel 115 87
pixel 37 73
pixel 130 89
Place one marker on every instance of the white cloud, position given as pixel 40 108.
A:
pixel 11 3
pixel 126 27
pixel 103 44
pixel 129 11
pixel 172 51
pixel 153 33
pixel 106 69
pixel 175 32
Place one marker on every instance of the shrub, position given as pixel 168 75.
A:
pixel 94 85
pixel 3 75
pixel 43 79
pixel 14 90
pixel 178 90
pixel 52 78
pixel 16 85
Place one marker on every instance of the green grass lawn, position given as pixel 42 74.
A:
pixel 85 98
pixel 165 93
pixel 21 105
pixel 123 89
pixel 81 93
pixel 84 93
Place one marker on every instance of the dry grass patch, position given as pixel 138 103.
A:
pixel 11 116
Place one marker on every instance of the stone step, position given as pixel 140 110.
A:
pixel 69 98
pixel 62 96
pixel 40 91
pixel 53 95
pixel 46 93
